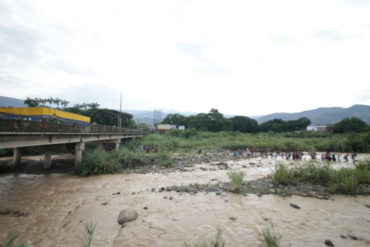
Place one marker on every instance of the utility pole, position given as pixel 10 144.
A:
pixel 120 112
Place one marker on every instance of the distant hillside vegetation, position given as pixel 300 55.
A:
pixel 13 102
pixel 320 116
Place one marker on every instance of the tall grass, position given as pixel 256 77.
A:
pixel 88 234
pixel 11 243
pixel 217 242
pixel 236 179
pixel 344 180
pixel 291 141
pixel 102 162
pixel 268 237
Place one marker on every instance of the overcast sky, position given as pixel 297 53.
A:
pixel 241 57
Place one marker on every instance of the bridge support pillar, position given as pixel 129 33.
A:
pixel 16 157
pixel 79 148
pixel 100 146
pixel 47 160
pixel 116 146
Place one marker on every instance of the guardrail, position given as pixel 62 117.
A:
pixel 21 124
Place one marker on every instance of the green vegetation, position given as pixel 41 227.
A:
pixel 88 234
pixel 350 125
pixel 268 237
pixel 236 179
pixel 33 102
pixel 102 116
pixel 6 152
pixel 244 124
pixel 217 242
pixel 11 243
pixel 214 121
pixel 102 162
pixel 344 180
pixel 288 141
pixel 278 125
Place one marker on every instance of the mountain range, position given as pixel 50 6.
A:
pixel 319 116
pixel 324 115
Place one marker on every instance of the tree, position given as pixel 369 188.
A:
pixel 176 119
pixel 350 125
pixel 213 121
pixel 244 124
pixel 31 102
pixel 102 116
pixel 275 125
pixel 279 125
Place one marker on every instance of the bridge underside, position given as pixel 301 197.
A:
pixel 20 133
pixel 48 140
pixel 24 139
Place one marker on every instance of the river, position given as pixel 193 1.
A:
pixel 57 206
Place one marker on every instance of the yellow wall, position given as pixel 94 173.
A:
pixel 32 111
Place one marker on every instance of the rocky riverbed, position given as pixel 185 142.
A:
pixel 185 203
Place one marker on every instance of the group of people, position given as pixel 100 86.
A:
pixel 149 149
pixel 296 155
pixel 332 157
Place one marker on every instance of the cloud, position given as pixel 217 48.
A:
pixel 18 42
pixel 284 40
pixel 169 54
pixel 207 66
pixel 331 35
pixel 356 3
pixel 364 97
pixel 6 79
pixel 70 68
pixel 4 10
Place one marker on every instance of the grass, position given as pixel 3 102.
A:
pixel 88 234
pixel 268 236
pixel 236 179
pixel 344 180
pixel 217 242
pixel 102 162
pixel 11 243
pixel 291 141
pixel 189 142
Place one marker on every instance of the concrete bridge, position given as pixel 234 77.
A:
pixel 19 133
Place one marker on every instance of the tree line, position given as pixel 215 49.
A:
pixel 215 121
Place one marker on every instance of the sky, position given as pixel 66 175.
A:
pixel 247 57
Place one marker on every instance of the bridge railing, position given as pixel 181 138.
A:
pixel 23 124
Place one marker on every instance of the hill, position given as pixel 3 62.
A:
pixel 13 102
pixel 321 116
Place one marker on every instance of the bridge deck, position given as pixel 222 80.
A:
pixel 21 133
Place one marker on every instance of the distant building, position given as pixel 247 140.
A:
pixel 165 127
pixel 321 128
pixel 182 127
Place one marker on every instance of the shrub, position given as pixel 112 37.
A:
pixel 268 237
pixel 344 180
pixel 282 175
pixel 166 159
pixel 101 162
pixel 236 179
pixel 97 162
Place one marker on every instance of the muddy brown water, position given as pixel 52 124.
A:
pixel 59 205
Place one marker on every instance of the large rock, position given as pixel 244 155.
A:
pixel 127 215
